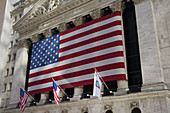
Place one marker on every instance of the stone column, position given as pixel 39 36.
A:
pixel 20 69
pixel 122 85
pixel 77 93
pixel 152 74
pixel 44 98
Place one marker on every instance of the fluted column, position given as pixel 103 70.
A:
pixel 77 93
pixel 152 74
pixel 20 69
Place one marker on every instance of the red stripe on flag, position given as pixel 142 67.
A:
pixel 104 46
pixel 90 32
pixel 79 73
pixel 87 82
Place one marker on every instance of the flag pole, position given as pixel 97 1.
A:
pixel 28 94
pixel 60 87
pixel 102 80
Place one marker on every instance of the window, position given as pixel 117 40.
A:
pixel 14 56
pixel 109 111
pixel 70 25
pixel 9 86
pixel 15 18
pixel 12 70
pixel 132 48
pixel 87 91
pixel 11 44
pixel 106 11
pixel 136 110
pixel 54 31
pixel 7 72
pixel 87 18
pixel 2 103
pixel 4 87
pixel 16 40
pixel 20 15
pixel 9 58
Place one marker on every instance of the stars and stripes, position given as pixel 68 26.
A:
pixel 56 91
pixel 70 56
pixel 23 99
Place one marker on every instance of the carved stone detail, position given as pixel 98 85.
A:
pixel 23 44
pixel 47 33
pixel 117 6
pixel 134 104
pixel 95 13
pixel 64 111
pixel 62 27
pixel 84 110
pixel 53 4
pixel 78 20
pixel 107 107
pixel 35 38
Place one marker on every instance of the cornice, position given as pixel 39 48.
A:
pixel 28 23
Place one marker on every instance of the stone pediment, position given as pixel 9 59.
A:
pixel 42 11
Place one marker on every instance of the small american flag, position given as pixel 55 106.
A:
pixel 70 57
pixel 23 99
pixel 56 91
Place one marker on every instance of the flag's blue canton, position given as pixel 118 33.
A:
pixel 55 86
pixel 45 51
pixel 22 93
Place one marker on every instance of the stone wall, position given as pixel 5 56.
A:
pixel 148 102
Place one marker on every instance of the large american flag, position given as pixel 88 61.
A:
pixel 70 57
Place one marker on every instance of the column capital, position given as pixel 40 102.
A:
pixel 23 44
pixel 35 38
pixel 95 13
pixel 47 33
pixel 62 27
pixel 78 20
pixel 117 6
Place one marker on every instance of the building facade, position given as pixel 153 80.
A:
pixel 146 38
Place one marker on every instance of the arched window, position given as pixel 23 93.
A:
pixel 109 111
pixel 136 110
